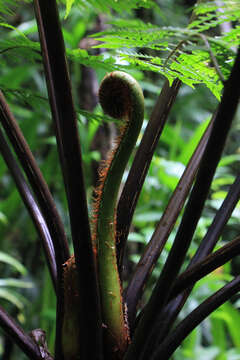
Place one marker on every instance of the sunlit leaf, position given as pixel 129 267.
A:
pixel 7 259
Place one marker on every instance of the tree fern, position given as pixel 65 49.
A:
pixel 173 52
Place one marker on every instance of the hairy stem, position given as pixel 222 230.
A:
pixel 120 97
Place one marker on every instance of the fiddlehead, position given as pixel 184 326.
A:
pixel 120 97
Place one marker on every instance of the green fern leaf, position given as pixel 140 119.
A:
pixel 105 6
pixel 106 62
pixel 185 53
pixel 206 14
pixel 5 7
pixel 19 49
pixel 24 97
pixel 97 117
pixel 69 4
pixel 233 36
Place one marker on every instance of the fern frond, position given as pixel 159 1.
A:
pixel 7 6
pixel 191 69
pixel 24 97
pixel 182 51
pixel 97 117
pixel 206 7
pixel 148 36
pixel 37 101
pixel 189 56
pixel 106 62
pixel 209 17
pixel 129 23
pixel 233 36
pixel 19 49
pixel 105 6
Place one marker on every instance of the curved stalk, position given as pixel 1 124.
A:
pixel 32 207
pixel 204 267
pixel 65 121
pixel 183 329
pixel 139 169
pixel 120 97
pixel 16 333
pixel 36 180
pixel 174 306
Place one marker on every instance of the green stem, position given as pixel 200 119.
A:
pixel 120 97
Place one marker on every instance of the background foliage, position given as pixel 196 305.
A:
pixel 151 42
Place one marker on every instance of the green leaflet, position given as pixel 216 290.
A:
pixel 105 6
pixel 7 259
pixel 69 4
pixel 191 61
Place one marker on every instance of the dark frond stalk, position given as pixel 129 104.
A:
pixel 64 116
pixel 220 220
pixel 172 341
pixel 141 163
pixel 206 266
pixel 154 248
pixel 36 180
pixel 192 213
pixel 172 309
pixel 16 333
pixel 32 207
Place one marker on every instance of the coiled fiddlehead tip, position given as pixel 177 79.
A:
pixel 116 93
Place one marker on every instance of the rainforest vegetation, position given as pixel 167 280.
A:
pixel 119 179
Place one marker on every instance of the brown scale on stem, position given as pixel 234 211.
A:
pixel 120 97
